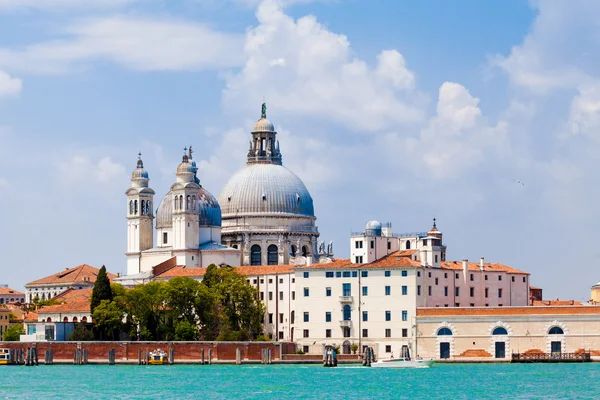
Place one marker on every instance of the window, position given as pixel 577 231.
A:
pixel 446 291
pixel 364 274
pixel 327 333
pixel 255 255
pixel 306 292
pixel 293 295
pixel 354 274
pixel 165 237
pixel 404 332
pixel 499 331
pixel 358 259
pixel 338 274
pixel 429 290
pixel 281 318
pixel 347 313
pixel 293 280
pixel 472 291
pixel 472 305
pixel 365 290
pixel 388 290
pixel 328 292
pixel 429 274
pixel 372 244
pixel 388 273
pixel 358 244
pixel 513 278
pixel 306 317
pixel 404 315
pixel 471 277
pixel 424 242
pixel 280 295
pixel 262 296
pixel 280 280
pixel 444 332
pixel 524 280
pixel 419 273
pixel 305 349
pixel 306 274
pixel 329 274
pixel 436 281
pixel 346 289
pixel 365 333
pixel 435 258
pixel 328 316
pixel 270 295
pixel 305 334
pixel 388 332
pixel 445 275
pixel 485 277
pixel 272 258
pixel 486 292
pixel 365 316
pixel 457 292
pixel 270 318
pixel 388 315
pixel 456 304
pixel 346 274
pixel 346 332
pixel 555 330
pixel 418 290
pixel 405 290
pixel 499 293
pixel 404 273
pixel 389 246
pixel 388 348
pixel 499 277
pixel 280 335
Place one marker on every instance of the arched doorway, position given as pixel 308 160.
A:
pixel 48 319
pixel 555 334
pixel 272 255
pixel 65 319
pixel 75 319
pixel 444 343
pixel 346 348
pixel 499 345
pixel 84 320
pixel 255 255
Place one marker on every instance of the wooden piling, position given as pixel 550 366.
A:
pixel 209 356
pixel 202 356
pixel 238 356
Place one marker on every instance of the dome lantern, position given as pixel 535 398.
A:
pixel 264 147
pixel 139 176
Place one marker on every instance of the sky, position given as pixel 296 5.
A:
pixel 397 111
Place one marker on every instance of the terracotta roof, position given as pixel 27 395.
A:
pixel 72 300
pixel 541 303
pixel 487 267
pixel 336 263
pixel 80 274
pixel 400 258
pixel 534 288
pixel 492 311
pixel 30 317
pixel 243 270
pixel 9 291
pixel 475 353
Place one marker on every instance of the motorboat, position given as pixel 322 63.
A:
pixel 158 357
pixel 402 363
pixel 4 356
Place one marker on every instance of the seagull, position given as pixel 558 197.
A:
pixel 519 181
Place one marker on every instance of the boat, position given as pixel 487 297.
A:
pixel 4 356
pixel 402 363
pixel 158 357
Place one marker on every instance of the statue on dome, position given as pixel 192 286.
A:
pixel 322 247
pixel 264 110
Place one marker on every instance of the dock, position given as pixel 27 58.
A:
pixel 551 357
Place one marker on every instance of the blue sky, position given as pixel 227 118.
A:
pixel 389 110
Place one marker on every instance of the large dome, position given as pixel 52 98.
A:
pixel 208 208
pixel 260 189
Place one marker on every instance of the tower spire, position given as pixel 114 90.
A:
pixel 434 222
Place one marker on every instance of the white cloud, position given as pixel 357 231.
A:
pixel 305 69
pixel 135 42
pixel 82 169
pixel 584 115
pixel 9 85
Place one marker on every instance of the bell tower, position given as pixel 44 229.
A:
pixel 140 230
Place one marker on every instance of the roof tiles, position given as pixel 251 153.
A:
pixel 81 274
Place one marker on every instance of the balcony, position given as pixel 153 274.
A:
pixel 346 299
pixel 346 324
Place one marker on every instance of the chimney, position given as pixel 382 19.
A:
pixel 308 261
pixel 481 264
pixel 465 269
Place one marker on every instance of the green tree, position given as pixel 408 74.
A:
pixel 102 289
pixel 185 331
pixel 13 333
pixel 145 304
pixel 81 334
pixel 108 319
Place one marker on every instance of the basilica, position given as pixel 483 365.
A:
pixel 263 216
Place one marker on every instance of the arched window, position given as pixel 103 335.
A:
pixel 556 330
pixel 272 255
pixel 194 203
pixel 408 245
pixel 130 207
pixel 143 209
pixel 181 202
pixel 65 319
pixel 84 320
pixel 235 246
pixel 148 207
pixel 255 255
pixel 176 204
pixel 304 251
pixel 293 316
pixel 347 312
pixel 444 332
pixel 293 250
pixel 500 331
pixel 189 200
pixel 135 207
pixel 75 319
pixel 48 319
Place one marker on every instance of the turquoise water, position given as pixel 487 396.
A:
pixel 457 381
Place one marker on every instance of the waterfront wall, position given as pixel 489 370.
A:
pixel 184 351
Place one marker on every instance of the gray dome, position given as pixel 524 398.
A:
pixel 263 125
pixel 373 228
pixel 139 173
pixel 209 210
pixel 373 225
pixel 265 189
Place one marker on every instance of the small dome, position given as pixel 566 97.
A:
pixel 373 228
pixel 264 125
pixel 208 209
pixel 373 225
pixel 139 173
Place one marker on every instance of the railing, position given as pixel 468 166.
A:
pixel 346 299
pixel 303 229
pixel 551 357
pixel 396 235
pixel 345 324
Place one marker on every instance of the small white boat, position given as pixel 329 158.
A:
pixel 158 357
pixel 402 363
pixel 4 356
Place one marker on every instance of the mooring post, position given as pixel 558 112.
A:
pixel 139 356
pixel 209 356
pixel 238 356
pixel 172 355
pixel 202 356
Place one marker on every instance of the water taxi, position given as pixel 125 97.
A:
pixel 402 363
pixel 158 357
pixel 4 356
